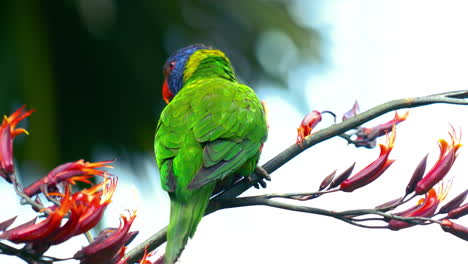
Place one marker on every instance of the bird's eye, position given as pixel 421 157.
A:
pixel 171 65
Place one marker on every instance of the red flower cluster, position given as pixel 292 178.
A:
pixel 8 132
pixel 73 213
pixel 83 209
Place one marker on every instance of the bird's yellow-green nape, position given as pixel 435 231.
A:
pixel 193 61
pixel 208 57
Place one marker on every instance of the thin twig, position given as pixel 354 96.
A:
pixel 346 216
pixel 18 189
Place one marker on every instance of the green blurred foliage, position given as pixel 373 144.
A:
pixel 92 68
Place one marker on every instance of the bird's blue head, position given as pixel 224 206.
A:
pixel 174 70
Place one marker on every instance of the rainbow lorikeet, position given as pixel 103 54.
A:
pixel 211 130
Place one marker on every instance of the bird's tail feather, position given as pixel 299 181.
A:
pixel 184 220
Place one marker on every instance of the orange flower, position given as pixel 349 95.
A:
pixel 69 172
pixel 144 259
pixel 8 132
pixel 308 123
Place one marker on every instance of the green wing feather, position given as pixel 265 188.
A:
pixel 226 121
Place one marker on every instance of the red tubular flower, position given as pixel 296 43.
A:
pixel 448 154
pixel 32 231
pixel 308 123
pixel 108 247
pixel 455 229
pixel 8 132
pixel 426 208
pixel 373 170
pixel 69 172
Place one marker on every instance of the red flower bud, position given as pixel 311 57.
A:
pixel 458 212
pixel 389 204
pixel 417 175
pixel 342 177
pixel 5 224
pixel 327 180
pixel 455 229
pixel 454 203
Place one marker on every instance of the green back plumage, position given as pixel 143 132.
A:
pixel 212 129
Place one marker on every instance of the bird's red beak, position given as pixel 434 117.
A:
pixel 166 93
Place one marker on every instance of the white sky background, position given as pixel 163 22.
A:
pixel 376 51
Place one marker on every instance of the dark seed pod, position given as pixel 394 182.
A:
pixel 417 175
pixel 458 212
pixel 327 181
pixel 342 177
pixel 389 205
pixel 5 224
pixel 454 203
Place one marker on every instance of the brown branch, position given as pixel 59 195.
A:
pixel 454 97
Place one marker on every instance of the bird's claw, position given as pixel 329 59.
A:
pixel 257 179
